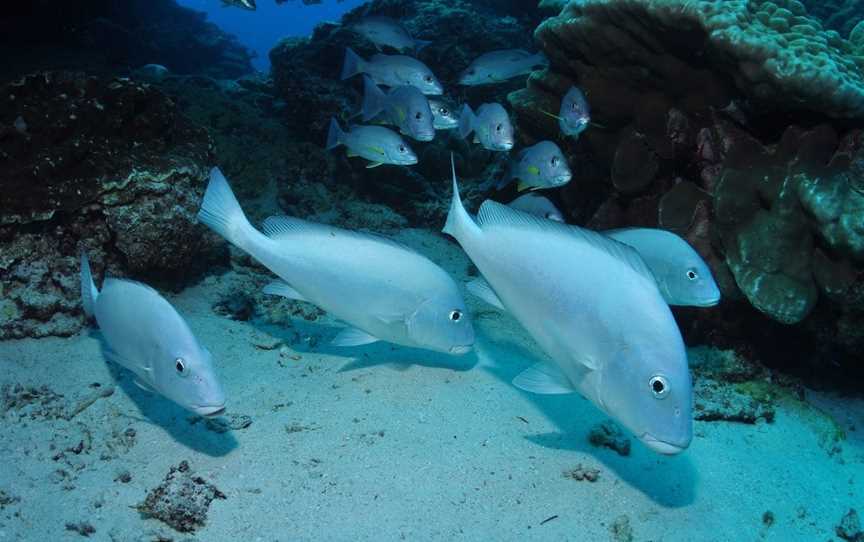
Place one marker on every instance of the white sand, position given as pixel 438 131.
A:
pixel 402 445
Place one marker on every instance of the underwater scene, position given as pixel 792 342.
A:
pixel 481 270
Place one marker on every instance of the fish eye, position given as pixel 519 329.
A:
pixel 455 315
pixel 659 386
pixel 692 274
pixel 574 106
pixel 401 148
pixel 443 111
pixel 554 161
pixel 418 115
pixel 498 128
pixel 180 365
pixel 428 78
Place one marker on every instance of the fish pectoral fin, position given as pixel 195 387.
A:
pixel 370 165
pixel 543 379
pixel 522 186
pixel 282 288
pixel 138 382
pixel 351 154
pixel 476 139
pixel 480 288
pixel 352 336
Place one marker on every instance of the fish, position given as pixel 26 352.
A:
pixel 242 4
pixel 151 73
pixel 682 275
pixel 383 290
pixel 377 144
pixel 443 115
pixel 574 115
pixel 491 126
pixel 145 334
pixel 386 31
pixel 498 66
pixel 392 71
pixel 404 107
pixel 537 205
pixel 598 315
pixel 539 166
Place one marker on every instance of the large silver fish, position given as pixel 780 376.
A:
pixel 242 4
pixel 498 66
pixel 383 290
pixel 386 31
pixel 682 275
pixel 392 71
pixel 598 314
pixel 491 126
pixel 377 144
pixel 144 334
pixel 404 107
pixel 539 166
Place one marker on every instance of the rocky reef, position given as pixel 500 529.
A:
pixel 103 165
pixel 737 125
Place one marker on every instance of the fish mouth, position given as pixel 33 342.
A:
pixel 461 349
pixel 503 146
pixel 561 180
pixel 714 301
pixel 660 446
pixel 209 411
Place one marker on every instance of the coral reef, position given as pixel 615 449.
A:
pixel 103 165
pixel 181 500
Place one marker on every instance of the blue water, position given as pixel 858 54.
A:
pixel 260 30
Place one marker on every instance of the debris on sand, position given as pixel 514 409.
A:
pixel 182 500
pixel 581 474
pixel 850 527
pixel 609 435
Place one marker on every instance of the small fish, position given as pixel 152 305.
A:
pixel 386 31
pixel 537 205
pixel 242 4
pixel 377 144
pixel 491 126
pixel 597 313
pixel 682 275
pixel 443 115
pixel 151 73
pixel 380 288
pixel 539 166
pixel 404 107
pixel 575 115
pixel 144 334
pixel 498 66
pixel 392 71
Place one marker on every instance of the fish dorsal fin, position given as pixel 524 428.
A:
pixel 282 288
pixel 480 288
pixel 352 336
pixel 278 227
pixel 543 379
pixel 493 213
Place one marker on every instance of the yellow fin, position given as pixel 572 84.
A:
pixel 377 150
pixel 520 186
pixel 351 154
pixel 534 170
pixel 401 113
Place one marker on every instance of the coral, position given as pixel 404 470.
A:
pixel 105 165
pixel 182 500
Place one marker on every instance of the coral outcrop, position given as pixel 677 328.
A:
pixel 103 165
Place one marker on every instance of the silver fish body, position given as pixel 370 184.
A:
pixel 404 107
pixel 248 5
pixel 351 275
pixel 598 314
pixel 682 275
pixel 491 126
pixel 377 144
pixel 146 335
pixel 385 31
pixel 537 205
pixel 392 71
pixel 498 66
pixel 539 166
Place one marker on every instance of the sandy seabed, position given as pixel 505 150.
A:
pixel 388 443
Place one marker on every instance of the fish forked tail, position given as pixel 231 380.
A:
pixel 466 121
pixel 352 65
pixel 334 134
pixel 373 99
pixel 89 293
pixel 221 211
pixel 459 223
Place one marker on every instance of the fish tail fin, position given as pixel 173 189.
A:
pixel 373 99
pixel 334 134
pixel 352 65
pixel 419 44
pixel 459 222
pixel 466 121
pixel 222 213
pixel 89 292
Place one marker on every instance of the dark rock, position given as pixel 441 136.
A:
pixel 6 499
pixel 609 435
pixel 82 528
pixel 850 527
pixel 107 166
pixel 182 500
